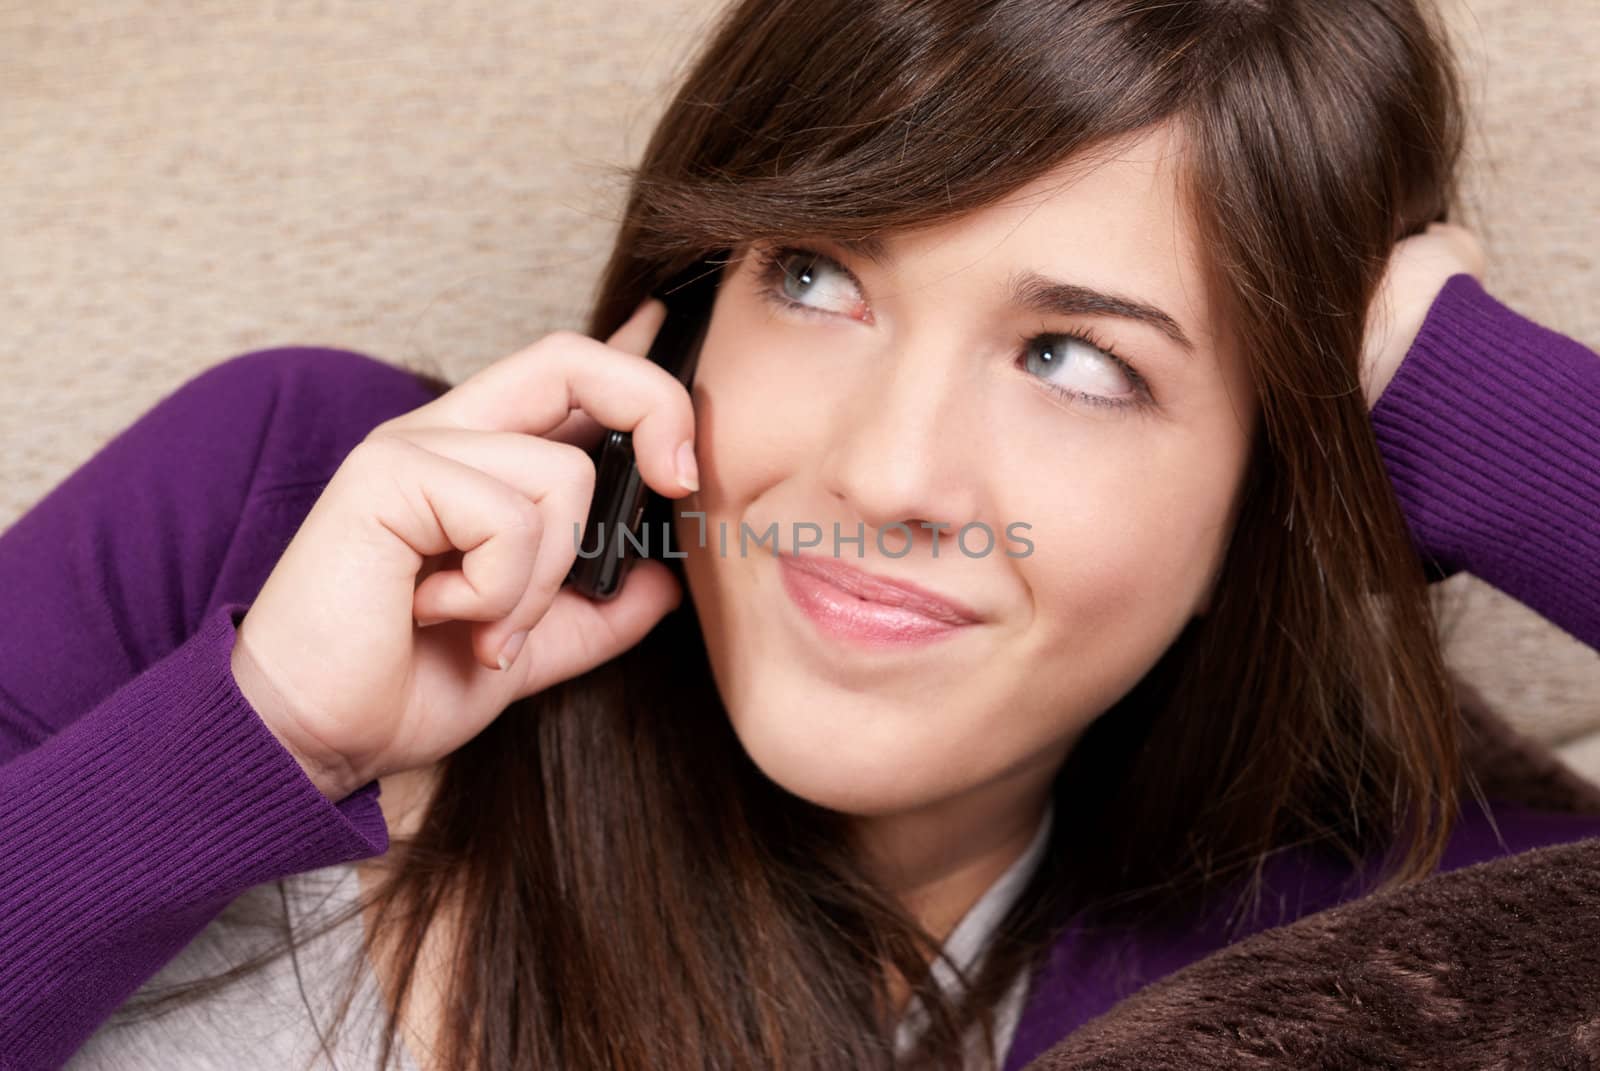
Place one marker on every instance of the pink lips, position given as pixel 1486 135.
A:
pixel 853 604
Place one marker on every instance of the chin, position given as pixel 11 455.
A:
pixel 848 754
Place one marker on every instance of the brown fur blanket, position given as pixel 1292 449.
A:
pixel 1495 965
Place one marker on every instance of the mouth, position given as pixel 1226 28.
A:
pixel 854 605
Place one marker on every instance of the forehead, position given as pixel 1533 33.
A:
pixel 1110 218
pixel 1120 200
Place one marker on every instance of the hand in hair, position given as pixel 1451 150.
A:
pixel 424 592
pixel 1418 269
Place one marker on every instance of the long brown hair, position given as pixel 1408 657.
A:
pixel 632 892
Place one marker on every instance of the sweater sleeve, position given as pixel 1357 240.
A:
pixel 1490 431
pixel 140 792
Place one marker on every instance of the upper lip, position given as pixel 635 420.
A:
pixel 881 589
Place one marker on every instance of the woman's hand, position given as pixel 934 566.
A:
pixel 1417 271
pixel 478 494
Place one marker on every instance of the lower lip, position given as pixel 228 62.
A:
pixel 840 614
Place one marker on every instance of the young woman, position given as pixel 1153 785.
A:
pixel 1097 274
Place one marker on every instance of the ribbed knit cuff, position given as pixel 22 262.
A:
pixel 1491 433
pixel 360 808
pixel 132 827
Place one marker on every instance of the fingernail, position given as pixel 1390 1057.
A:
pixel 688 471
pixel 508 653
pixel 424 622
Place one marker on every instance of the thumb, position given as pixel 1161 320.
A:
pixel 640 328
pixel 577 633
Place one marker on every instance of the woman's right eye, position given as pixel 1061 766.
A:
pixel 788 276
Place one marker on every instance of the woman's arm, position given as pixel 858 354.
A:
pixel 1490 430
pixel 139 791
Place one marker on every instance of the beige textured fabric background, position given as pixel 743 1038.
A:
pixel 184 181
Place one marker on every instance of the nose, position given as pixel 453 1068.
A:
pixel 907 447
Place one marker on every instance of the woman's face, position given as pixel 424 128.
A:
pixel 943 387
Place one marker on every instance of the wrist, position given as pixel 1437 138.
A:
pixel 332 776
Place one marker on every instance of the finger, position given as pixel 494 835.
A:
pixel 556 477
pixel 634 336
pixel 442 505
pixel 639 329
pixel 535 390
pixel 578 634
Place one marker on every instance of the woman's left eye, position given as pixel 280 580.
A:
pixel 787 274
pixel 1043 354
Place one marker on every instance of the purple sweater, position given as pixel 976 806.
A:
pixel 140 793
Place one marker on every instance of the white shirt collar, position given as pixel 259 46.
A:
pixel 969 939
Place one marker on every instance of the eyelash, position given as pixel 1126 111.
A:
pixel 769 268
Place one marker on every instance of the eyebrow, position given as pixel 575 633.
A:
pixel 1042 294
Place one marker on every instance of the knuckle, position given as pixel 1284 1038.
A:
pixel 674 397
pixel 389 431
pixel 380 447
pixel 503 599
pixel 680 397
pixel 528 515
pixel 383 427
pixel 559 340
pixel 577 464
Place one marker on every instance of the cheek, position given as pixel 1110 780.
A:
pixel 1123 551
pixel 759 415
pixel 740 398
pixel 1118 546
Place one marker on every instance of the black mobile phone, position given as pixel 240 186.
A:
pixel 612 535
